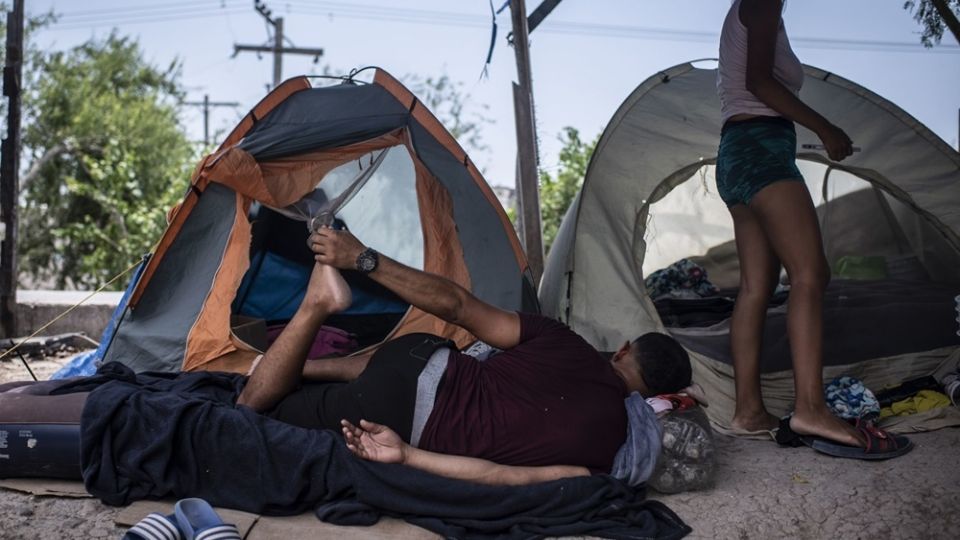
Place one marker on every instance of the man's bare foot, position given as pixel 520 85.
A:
pixel 327 289
pixel 821 422
pixel 762 421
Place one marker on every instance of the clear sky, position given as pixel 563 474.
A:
pixel 587 57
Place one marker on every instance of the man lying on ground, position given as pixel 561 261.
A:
pixel 549 406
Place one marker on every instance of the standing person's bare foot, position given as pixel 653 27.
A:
pixel 753 422
pixel 327 289
pixel 821 422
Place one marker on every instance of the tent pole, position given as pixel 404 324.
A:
pixel 528 193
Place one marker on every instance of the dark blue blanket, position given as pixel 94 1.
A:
pixel 148 436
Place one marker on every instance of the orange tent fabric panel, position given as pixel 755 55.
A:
pixel 210 336
pixel 282 182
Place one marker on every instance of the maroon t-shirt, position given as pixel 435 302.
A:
pixel 551 400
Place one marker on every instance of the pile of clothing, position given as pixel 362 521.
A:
pixel 682 279
pixel 848 398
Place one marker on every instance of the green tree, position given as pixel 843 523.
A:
pixel 558 190
pixel 106 158
pixel 935 16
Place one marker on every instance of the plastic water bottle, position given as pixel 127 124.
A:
pixel 686 461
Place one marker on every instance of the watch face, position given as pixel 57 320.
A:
pixel 367 261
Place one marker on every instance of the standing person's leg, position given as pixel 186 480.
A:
pixel 787 215
pixel 759 269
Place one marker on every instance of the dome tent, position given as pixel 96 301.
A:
pixel 666 134
pixel 235 253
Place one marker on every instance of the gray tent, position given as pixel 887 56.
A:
pixel 648 199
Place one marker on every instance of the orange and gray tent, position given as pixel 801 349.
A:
pixel 368 156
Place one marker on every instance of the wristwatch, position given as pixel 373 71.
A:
pixel 367 261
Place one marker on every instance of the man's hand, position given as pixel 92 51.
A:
pixel 339 249
pixel 375 442
pixel 434 294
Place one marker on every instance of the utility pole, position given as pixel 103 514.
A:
pixel 10 170
pixel 206 104
pixel 528 191
pixel 277 48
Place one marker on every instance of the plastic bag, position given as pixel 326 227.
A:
pixel 82 365
pixel 687 460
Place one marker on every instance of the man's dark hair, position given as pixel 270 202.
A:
pixel 664 364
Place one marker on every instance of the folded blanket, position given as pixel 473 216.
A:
pixel 156 435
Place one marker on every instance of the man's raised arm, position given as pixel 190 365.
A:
pixel 431 293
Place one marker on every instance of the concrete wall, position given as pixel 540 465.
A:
pixel 36 308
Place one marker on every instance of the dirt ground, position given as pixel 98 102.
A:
pixel 762 491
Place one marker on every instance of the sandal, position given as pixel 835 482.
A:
pixel 880 444
pixel 155 527
pixel 199 521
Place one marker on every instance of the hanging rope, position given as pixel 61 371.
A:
pixel 62 315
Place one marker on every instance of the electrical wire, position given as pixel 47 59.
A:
pixel 155 13
pixel 165 6
pixel 67 22
pixel 392 14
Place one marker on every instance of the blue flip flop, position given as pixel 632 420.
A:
pixel 199 521
pixel 155 527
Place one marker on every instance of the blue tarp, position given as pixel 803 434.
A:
pixel 86 363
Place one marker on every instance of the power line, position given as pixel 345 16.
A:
pixel 155 13
pixel 166 6
pixel 419 16
pixel 67 23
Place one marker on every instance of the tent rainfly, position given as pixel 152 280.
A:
pixel 367 156
pixel 648 200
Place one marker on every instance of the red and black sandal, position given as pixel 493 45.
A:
pixel 880 444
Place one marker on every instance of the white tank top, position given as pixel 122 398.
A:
pixel 732 71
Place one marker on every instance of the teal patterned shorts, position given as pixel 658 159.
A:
pixel 753 154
